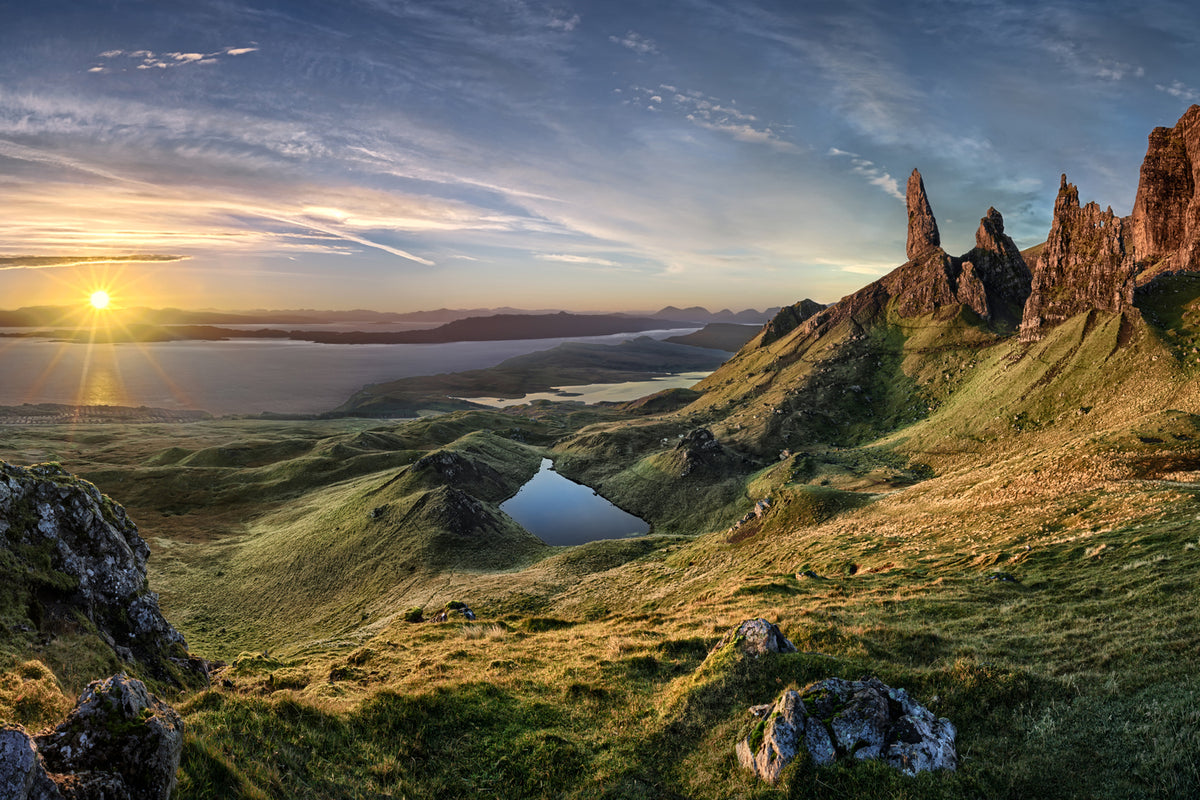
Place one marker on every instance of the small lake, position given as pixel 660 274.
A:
pixel 561 512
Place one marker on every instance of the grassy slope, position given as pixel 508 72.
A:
pixel 1010 558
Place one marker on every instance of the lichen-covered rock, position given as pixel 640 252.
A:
pixel 836 718
pixel 756 637
pixel 1087 264
pixel 1165 223
pixel 118 742
pixel 73 550
pixel 22 773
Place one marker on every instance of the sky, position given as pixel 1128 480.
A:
pixel 591 156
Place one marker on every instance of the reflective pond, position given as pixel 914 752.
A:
pixel 559 511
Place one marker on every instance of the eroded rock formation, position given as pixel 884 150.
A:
pixel 788 318
pixel 992 277
pixel 1164 227
pixel 1087 264
pixel 922 227
pixel 997 268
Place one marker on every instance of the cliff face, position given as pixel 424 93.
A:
pixel 1165 223
pixel 1087 264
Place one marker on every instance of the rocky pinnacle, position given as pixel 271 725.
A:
pixel 922 227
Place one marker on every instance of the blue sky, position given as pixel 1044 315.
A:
pixel 583 155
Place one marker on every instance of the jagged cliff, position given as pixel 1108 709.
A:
pixel 1087 264
pixel 1165 223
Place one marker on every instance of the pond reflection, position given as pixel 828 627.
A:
pixel 559 511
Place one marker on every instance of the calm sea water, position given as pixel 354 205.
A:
pixel 559 511
pixel 240 376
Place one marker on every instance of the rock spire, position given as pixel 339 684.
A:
pixel 922 227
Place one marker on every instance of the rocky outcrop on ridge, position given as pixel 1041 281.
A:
pixel 990 277
pixel 788 319
pixel 922 227
pixel 1087 264
pixel 119 741
pixel 72 552
pixel 836 719
pixel 1164 227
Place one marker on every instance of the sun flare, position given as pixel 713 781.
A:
pixel 99 299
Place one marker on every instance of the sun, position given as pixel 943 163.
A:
pixel 99 299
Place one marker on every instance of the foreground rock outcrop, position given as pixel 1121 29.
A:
pixel 1087 264
pixel 118 743
pixel 1164 227
pixel 835 718
pixel 73 552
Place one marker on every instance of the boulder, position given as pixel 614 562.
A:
pixel 756 637
pixel 837 719
pixel 119 741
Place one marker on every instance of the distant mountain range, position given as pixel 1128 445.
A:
pixel 60 316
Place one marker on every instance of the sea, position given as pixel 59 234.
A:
pixel 247 376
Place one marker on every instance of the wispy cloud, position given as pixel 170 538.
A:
pixel 1180 90
pixel 561 22
pixel 572 259
pixel 642 45
pixel 148 59
pixel 711 113
pixel 873 173
pixel 50 262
